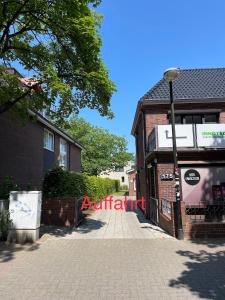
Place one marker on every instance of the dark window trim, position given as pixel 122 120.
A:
pixel 201 114
pixel 195 111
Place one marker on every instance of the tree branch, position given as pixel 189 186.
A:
pixel 6 106
pixel 5 36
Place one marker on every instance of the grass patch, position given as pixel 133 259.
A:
pixel 121 193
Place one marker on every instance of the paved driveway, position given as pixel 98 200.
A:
pixel 104 260
pixel 117 224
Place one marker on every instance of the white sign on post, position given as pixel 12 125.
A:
pixel 210 135
pixel 184 136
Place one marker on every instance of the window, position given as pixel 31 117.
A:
pixel 210 118
pixel 63 155
pixel 122 178
pixel 48 140
pixel 119 169
pixel 135 184
pixel 194 118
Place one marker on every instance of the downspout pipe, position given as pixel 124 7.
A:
pixel 144 156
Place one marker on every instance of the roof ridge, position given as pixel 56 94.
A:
pixel 197 69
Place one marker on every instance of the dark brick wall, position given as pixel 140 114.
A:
pixel 75 158
pixel 165 188
pixel 21 151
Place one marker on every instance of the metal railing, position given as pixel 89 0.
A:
pixel 204 212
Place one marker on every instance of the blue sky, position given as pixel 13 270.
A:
pixel 143 38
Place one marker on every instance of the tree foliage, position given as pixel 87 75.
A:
pixel 103 151
pixel 58 42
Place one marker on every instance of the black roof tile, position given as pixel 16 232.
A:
pixel 191 84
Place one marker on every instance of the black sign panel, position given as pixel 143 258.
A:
pixel 166 176
pixel 192 177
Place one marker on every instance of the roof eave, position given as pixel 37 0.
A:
pixel 54 128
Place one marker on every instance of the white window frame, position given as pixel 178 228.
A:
pixel 134 183
pixel 47 146
pixel 66 154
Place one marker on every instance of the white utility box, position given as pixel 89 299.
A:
pixel 25 213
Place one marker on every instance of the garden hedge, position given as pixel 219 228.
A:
pixel 61 183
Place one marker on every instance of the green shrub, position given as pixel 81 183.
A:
pixel 124 187
pixel 5 224
pixel 58 183
pixel 117 183
pixel 6 186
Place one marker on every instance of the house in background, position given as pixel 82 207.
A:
pixel 200 131
pixel 120 173
pixel 132 181
pixel 28 150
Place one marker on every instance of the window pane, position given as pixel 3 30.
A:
pixel 119 169
pixel 63 153
pixel 210 118
pixel 188 119
pixel 178 119
pixel 48 140
pixel 134 184
pixel 197 119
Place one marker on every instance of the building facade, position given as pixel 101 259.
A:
pixel 28 150
pixel 200 134
pixel 132 182
pixel 120 173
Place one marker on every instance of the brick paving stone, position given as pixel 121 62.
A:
pixel 90 265
pixel 117 224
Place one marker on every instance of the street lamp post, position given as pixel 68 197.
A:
pixel 170 75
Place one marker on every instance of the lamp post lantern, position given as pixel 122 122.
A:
pixel 170 75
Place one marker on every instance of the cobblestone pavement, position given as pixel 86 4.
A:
pixel 114 269
pixel 110 265
pixel 114 224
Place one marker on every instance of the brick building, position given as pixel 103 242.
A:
pixel 200 129
pixel 29 149
pixel 132 182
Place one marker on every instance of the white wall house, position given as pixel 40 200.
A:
pixel 120 174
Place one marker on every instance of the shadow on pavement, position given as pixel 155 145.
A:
pixel 209 242
pixel 8 251
pixel 204 274
pixel 89 225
